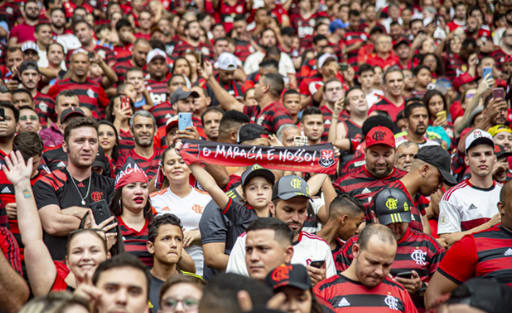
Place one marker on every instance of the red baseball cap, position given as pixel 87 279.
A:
pixel 462 79
pixel 380 135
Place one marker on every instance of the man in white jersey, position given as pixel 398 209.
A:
pixel 290 200
pixel 472 205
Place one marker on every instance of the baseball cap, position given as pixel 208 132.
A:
pixel 182 94
pixel 72 111
pixel 483 293
pixel 292 275
pixel 28 65
pixel 257 170
pixel 435 155
pixel 477 137
pixel 462 79
pixel 171 122
pixel 392 206
pixel 250 132
pixel 499 129
pixel 155 53
pixel 326 57
pixel 290 186
pixel 226 62
pixel 380 135
pixel 29 45
pixel 402 41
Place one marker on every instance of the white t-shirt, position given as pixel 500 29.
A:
pixel 308 248
pixel 252 63
pixel 464 207
pixel 189 210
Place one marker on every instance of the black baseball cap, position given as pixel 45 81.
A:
pixel 401 41
pixel 483 293
pixel 440 158
pixel 72 111
pixel 181 94
pixel 392 205
pixel 290 186
pixel 250 132
pixel 293 275
pixel 257 170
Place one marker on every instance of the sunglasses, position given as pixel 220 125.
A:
pixel 187 303
pixel 31 117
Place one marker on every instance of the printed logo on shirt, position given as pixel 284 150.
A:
pixel 197 208
pixel 43 106
pixel 343 302
pixel 6 190
pixel 508 252
pixel 419 256
pixel 61 164
pixel 391 302
pixel 472 207
pixel 366 190
pixel 96 196
pixel 90 93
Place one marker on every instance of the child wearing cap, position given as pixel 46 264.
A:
pixel 257 184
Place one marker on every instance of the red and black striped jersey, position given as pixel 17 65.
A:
pixel 121 67
pixel 415 251
pixel 162 112
pixel 57 188
pixel 419 204
pixel 362 185
pixel 243 49
pixel 90 94
pixel 126 142
pixel 44 106
pixel 352 38
pixel 10 249
pixel 182 45
pixel 234 88
pixel 337 251
pixel 158 90
pixel 273 116
pixel 485 254
pixel 387 106
pixel 55 158
pixel 135 241
pixel 349 296
pixel 148 165
pixel 327 114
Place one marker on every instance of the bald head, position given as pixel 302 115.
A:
pixel 375 232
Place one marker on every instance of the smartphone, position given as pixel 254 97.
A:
pixel 343 66
pixel 184 120
pixel 125 102
pixel 487 71
pixel 101 212
pixel 441 114
pixel 317 264
pixel 407 274
pixel 300 141
pixel 498 93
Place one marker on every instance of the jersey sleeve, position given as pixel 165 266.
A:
pixel 330 268
pixel 436 255
pixel 236 261
pixel 459 262
pixel 449 217
pixel 10 249
pixel 44 193
pixel 212 225
pixel 409 306
pixel 344 259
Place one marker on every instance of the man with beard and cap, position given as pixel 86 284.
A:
pixel 66 195
pixel 90 93
pixel 226 66
pixel 429 170
pixel 418 254
pixel 145 152
pixel 471 206
pixel 290 199
pixel 416 114
pixel 156 64
pixel 366 282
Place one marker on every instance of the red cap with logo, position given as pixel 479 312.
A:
pixel 380 135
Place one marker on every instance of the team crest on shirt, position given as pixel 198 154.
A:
pixel 419 256
pixel 391 302
pixel 90 93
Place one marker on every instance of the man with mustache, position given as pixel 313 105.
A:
pixel 416 114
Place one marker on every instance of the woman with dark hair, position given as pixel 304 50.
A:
pixel 432 61
pixel 437 110
pixel 109 141
pixel 118 112
pixel 182 67
pixel 131 206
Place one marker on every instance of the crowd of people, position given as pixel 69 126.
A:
pixel 101 212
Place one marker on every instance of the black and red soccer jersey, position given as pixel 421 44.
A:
pixel 44 106
pixel 10 249
pixel 135 242
pixel 419 204
pixel 327 114
pixel 227 12
pixel 352 38
pixel 126 142
pixel 148 165
pixel 57 188
pixel 55 158
pixel 363 185
pixel 90 94
pixel 416 251
pixel 349 296
pixel 162 112
pixel 234 88
pixel 182 46
pixel 121 67
pixel 338 249
pixel 158 90
pixel 273 116
pixel 243 49
pixel 387 106
pixel 486 254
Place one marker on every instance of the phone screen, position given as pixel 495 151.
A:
pixel 487 71
pixel 184 120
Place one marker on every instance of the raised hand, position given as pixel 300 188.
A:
pixel 16 169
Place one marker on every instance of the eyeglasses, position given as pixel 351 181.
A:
pixel 31 117
pixel 170 304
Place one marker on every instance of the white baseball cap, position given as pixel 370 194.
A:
pixel 154 54
pixel 226 62
pixel 325 57
pixel 29 45
pixel 477 137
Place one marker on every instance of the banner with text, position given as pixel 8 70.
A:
pixel 315 158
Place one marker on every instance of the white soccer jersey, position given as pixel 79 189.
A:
pixel 189 209
pixel 465 206
pixel 308 248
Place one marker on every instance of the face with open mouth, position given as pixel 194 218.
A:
pixel 86 250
